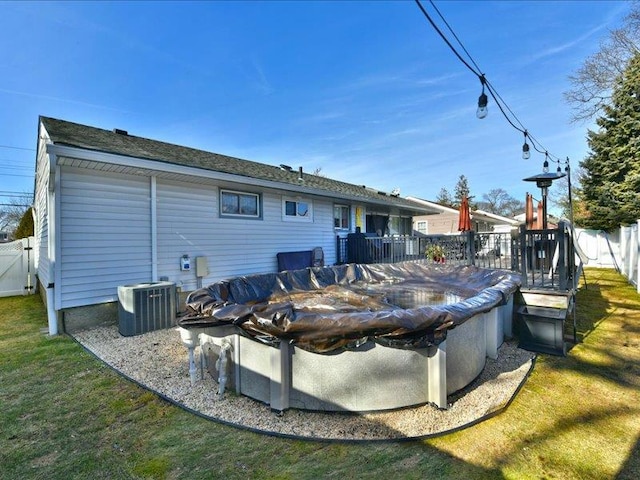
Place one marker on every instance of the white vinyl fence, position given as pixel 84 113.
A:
pixel 17 271
pixel 629 246
pixel 617 250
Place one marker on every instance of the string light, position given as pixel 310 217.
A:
pixel 525 148
pixel 482 101
pixel 545 165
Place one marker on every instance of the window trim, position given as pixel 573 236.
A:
pixel 258 197
pixel 348 207
pixel 297 218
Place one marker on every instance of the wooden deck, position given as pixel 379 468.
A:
pixel 546 259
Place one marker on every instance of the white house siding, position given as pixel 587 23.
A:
pixel 105 235
pixel 106 226
pixel 188 222
pixel 41 218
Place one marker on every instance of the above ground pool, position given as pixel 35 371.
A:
pixel 350 337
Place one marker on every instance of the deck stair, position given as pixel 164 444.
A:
pixel 541 318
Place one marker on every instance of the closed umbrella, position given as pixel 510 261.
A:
pixel 540 217
pixel 528 212
pixel 464 218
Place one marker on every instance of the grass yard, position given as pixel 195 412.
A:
pixel 64 415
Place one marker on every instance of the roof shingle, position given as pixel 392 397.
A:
pixel 72 134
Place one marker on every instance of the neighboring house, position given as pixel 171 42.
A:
pixel 113 209
pixel 4 237
pixel 445 220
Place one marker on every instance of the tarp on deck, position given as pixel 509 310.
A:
pixel 325 309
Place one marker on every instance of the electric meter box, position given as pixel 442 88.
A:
pixel 202 267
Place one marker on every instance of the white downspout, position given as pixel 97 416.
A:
pixel 52 248
pixel 52 317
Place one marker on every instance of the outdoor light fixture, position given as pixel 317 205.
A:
pixel 482 101
pixel 525 148
pixel 543 182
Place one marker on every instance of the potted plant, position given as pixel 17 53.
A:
pixel 435 253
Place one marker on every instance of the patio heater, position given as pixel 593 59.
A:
pixel 543 182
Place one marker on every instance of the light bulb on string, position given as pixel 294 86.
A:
pixel 545 165
pixel 525 148
pixel 482 101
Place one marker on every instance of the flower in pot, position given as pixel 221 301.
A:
pixel 435 253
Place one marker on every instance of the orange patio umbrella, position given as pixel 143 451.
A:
pixel 540 217
pixel 464 218
pixel 528 212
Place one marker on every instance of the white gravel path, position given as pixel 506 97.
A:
pixel 158 360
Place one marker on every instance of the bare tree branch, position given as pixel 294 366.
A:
pixel 592 83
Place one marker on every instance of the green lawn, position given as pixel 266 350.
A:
pixel 64 415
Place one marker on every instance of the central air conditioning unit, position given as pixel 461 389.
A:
pixel 144 307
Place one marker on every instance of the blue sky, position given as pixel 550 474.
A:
pixel 365 91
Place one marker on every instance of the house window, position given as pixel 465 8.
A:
pixel 297 210
pixel 421 227
pixel 239 204
pixel 341 217
pixel 400 225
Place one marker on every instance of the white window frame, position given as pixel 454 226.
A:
pixel 258 214
pixel 424 224
pixel 297 217
pixel 342 206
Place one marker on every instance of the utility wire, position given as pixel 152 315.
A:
pixel 18 148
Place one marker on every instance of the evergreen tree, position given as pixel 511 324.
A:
pixel 25 227
pixel 611 185
pixel 444 198
pixel 461 191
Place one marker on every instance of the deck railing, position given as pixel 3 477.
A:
pixel 545 258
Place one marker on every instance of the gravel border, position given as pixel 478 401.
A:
pixel 158 361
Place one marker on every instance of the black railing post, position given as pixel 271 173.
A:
pixel 523 255
pixel 561 237
pixel 471 248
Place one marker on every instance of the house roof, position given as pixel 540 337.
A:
pixel 71 134
pixel 477 214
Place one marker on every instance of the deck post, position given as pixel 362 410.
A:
pixel 280 377
pixel 506 313
pixel 437 376
pixel 523 255
pixel 471 248
pixel 494 332
pixel 562 255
